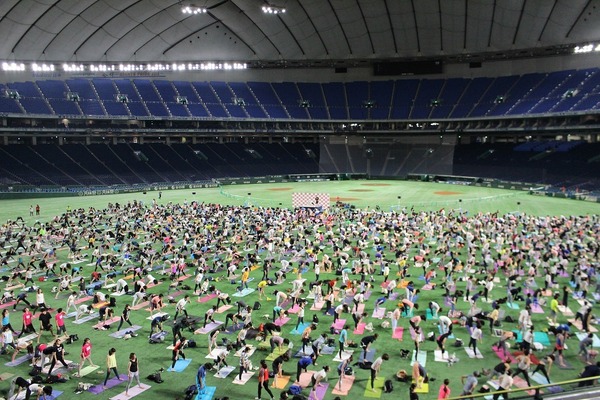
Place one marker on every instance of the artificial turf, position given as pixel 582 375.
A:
pixel 155 356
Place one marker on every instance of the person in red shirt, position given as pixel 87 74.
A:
pixel 263 379
pixel 444 392
pixel 86 353
pixel 27 322
pixel 177 352
pixel 60 322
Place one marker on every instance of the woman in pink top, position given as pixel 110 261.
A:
pixel 444 392
pixel 86 353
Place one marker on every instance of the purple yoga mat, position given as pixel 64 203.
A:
pixel 320 391
pixel 97 389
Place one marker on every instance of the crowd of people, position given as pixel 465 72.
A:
pixel 338 262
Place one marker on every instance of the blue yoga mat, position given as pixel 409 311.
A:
pixel 207 393
pixel 180 365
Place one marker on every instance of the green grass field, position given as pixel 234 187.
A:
pixel 362 194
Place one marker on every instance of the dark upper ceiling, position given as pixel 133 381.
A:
pixel 238 30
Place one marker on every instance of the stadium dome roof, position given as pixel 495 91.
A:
pixel 322 30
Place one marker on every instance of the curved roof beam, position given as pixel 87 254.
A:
pixel 42 15
pixel 412 4
pixel 341 26
pixel 101 27
pixel 257 27
pixel 362 14
pixel 387 11
pixel 578 18
pixel 217 21
pixel 547 20
pixel 315 28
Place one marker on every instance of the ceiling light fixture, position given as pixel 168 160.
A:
pixel 193 10
pixel 271 9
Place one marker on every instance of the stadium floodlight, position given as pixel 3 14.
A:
pixel 272 9
pixel 192 9
pixel 13 66
pixel 588 48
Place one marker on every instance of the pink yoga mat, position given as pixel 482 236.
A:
pixel 339 324
pixel 379 313
pixel 282 321
pixel 133 391
pixel 360 329
pixel 398 333
pixel 347 383
pixel 207 298
pixel 501 356
pixel 536 309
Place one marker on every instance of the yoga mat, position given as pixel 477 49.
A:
pixel 326 350
pixel 421 357
pixel 541 337
pixel 308 351
pixel 294 310
pixel 537 309
pixel 86 371
pixel 245 378
pixel 100 305
pixel 430 316
pixel 300 329
pixel 208 328
pixel 207 393
pixel 501 356
pixel 370 356
pixel 522 384
pixel 320 391
pixel 345 355
pixel 234 328
pixel 339 324
pixel 377 385
pixel 6 376
pixel 360 329
pixel 541 379
pixel 244 292
pixel 250 352
pixel 579 326
pixel 379 313
pixel 470 353
pixel 424 388
pixel 566 311
pixel 86 318
pixel 317 306
pixel 141 305
pixel 180 365
pixel 437 354
pixel 121 333
pixel 282 382
pixel 305 379
pixel 133 391
pixel 216 353
pixel 223 308
pixel 583 335
pixel 282 321
pixel 18 361
pixel 107 322
pixel 397 334
pixel 224 372
pixel 440 331
pixel 514 306
pixel 346 384
pixel 276 354
pixel 111 383
pixel 159 314
pixel 207 298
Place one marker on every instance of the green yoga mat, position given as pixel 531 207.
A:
pixel 378 386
